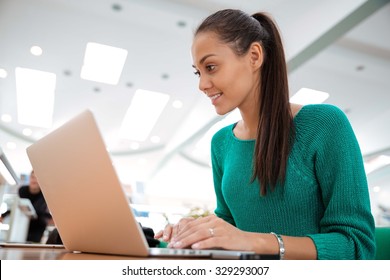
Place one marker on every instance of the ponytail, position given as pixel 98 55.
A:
pixel 274 137
pixel 275 128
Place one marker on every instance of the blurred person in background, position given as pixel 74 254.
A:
pixel 33 192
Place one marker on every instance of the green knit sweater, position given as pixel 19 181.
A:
pixel 325 194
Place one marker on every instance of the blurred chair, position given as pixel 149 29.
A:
pixel 382 235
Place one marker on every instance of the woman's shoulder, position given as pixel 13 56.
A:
pixel 221 139
pixel 316 122
pixel 224 132
pixel 320 109
pixel 320 114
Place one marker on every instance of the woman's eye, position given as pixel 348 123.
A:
pixel 210 67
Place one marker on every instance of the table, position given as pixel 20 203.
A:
pixel 25 253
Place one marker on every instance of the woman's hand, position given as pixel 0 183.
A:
pixel 171 231
pixel 209 232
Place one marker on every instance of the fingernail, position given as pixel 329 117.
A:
pixel 177 244
pixel 195 246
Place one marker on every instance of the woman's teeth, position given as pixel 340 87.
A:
pixel 215 96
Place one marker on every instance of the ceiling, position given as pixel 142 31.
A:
pixel 340 47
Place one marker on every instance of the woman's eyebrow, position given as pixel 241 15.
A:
pixel 204 58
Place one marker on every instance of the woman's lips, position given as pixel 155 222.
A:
pixel 214 98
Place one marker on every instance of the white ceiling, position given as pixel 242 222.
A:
pixel 341 47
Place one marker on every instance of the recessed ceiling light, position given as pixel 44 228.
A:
pixel 142 114
pixel 6 118
pixel 155 139
pixel 36 50
pixel 3 73
pixel 376 189
pixel 11 145
pixel 35 96
pixel 309 96
pixel 103 63
pixel 134 146
pixel 27 131
pixel 177 104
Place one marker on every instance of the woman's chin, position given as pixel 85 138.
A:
pixel 222 111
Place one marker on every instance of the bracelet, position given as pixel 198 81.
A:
pixel 282 250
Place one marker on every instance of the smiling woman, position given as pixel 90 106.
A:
pixel 278 156
pixel 342 52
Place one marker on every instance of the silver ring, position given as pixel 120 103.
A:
pixel 211 230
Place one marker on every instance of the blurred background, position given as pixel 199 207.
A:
pixel 49 74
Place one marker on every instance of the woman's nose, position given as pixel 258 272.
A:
pixel 204 84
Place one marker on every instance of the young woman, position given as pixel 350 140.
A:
pixel 289 180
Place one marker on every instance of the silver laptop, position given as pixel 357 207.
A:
pixel 86 199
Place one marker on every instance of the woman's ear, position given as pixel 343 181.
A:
pixel 256 55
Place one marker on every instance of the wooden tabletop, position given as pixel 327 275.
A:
pixel 20 253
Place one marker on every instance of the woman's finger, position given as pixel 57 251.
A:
pixel 159 234
pixel 167 232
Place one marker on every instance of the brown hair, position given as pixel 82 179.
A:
pixel 275 129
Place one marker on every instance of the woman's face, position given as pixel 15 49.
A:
pixel 230 81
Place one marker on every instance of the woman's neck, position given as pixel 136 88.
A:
pixel 247 127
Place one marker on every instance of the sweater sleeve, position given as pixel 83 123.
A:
pixel 347 227
pixel 218 146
